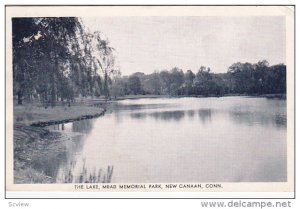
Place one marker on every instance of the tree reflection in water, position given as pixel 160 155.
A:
pixel 204 115
pixel 83 126
pixel 177 115
pixel 252 118
pixel 168 115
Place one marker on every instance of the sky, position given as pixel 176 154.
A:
pixel 146 44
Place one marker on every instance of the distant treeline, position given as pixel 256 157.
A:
pixel 241 78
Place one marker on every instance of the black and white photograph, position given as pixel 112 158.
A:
pixel 126 100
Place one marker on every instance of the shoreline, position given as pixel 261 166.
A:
pixel 31 141
pixel 269 96
pixel 54 122
pixel 32 115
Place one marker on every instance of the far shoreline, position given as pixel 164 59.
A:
pixel 149 96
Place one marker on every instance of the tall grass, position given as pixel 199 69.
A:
pixel 96 176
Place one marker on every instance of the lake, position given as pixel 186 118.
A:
pixel 226 139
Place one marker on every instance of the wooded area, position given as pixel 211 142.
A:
pixel 241 78
pixel 58 59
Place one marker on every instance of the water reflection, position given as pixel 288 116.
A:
pixel 258 118
pixel 280 120
pixel 168 115
pixel 138 115
pixel 59 162
pixel 121 107
pixel 191 113
pixel 83 126
pixel 57 127
pixel 205 115
pixel 249 118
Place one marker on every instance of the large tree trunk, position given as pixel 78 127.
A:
pixel 54 78
pixel 20 97
pixel 106 91
pixel 53 90
pixel 53 95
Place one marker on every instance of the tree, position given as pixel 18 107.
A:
pixel 56 59
pixel 257 78
pixel 134 85
pixel 177 79
pixel 203 81
pixel 189 77
pixel 41 48
pixel 105 60
pixel 171 80
pixel 119 86
pixel 152 84
pixel 166 81
pixel 23 31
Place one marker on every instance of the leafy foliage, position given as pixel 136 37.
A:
pixel 56 59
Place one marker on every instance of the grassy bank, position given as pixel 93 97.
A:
pixel 29 114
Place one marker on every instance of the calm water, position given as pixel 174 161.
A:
pixel 227 139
